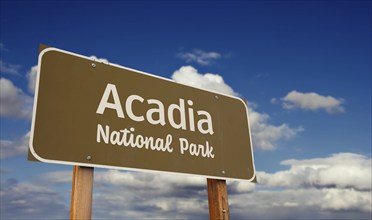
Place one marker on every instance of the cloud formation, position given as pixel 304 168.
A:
pixel 264 135
pixel 340 182
pixel 312 101
pixel 14 103
pixel 142 195
pixel 188 75
pixel 309 203
pixel 15 147
pixel 200 57
pixel 314 188
pixel 31 77
pixel 103 60
pixel 9 68
pixel 341 170
pixel 27 200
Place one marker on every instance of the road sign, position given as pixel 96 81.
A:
pixel 91 113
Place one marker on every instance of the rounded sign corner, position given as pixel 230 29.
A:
pixel 244 101
pixel 33 152
pixel 46 50
pixel 253 179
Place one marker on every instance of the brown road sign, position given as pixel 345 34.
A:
pixel 91 113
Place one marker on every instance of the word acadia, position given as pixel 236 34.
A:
pixel 204 125
pixel 155 115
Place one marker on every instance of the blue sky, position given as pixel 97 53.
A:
pixel 303 66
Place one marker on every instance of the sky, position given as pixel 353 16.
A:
pixel 303 66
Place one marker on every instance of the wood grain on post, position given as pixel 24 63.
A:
pixel 217 199
pixel 82 189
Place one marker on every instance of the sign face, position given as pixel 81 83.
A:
pixel 91 113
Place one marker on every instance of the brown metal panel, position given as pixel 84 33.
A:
pixel 65 123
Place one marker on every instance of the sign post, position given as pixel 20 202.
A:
pixel 218 199
pixel 81 196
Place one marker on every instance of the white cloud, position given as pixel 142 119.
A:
pixel 103 60
pixel 313 188
pixel 58 177
pixel 147 195
pixel 143 195
pixel 188 75
pixel 346 199
pixel 238 187
pixel 273 101
pixel 141 179
pixel 29 200
pixel 15 147
pixel 9 68
pixel 132 179
pixel 14 103
pixel 264 135
pixel 200 57
pixel 342 170
pixel 164 182
pixel 31 76
pixel 309 203
pixel 312 101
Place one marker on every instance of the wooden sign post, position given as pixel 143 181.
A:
pixel 82 191
pixel 217 199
